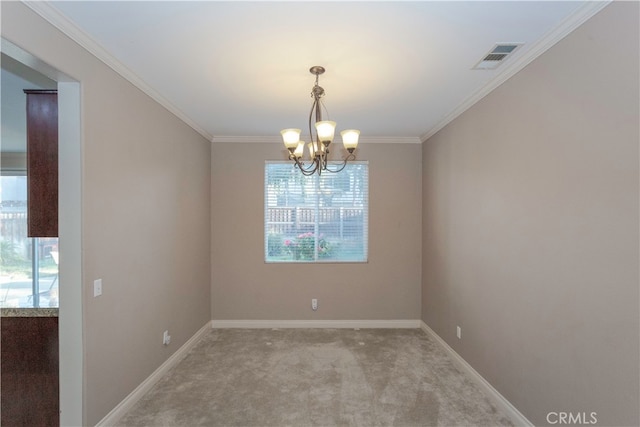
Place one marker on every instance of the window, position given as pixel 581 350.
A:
pixel 28 266
pixel 316 218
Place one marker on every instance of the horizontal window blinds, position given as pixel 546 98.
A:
pixel 316 218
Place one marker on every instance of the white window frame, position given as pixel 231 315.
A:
pixel 363 196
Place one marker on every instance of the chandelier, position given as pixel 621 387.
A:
pixel 318 159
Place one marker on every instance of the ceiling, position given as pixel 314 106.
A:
pixel 239 70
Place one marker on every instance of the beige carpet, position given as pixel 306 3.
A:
pixel 316 377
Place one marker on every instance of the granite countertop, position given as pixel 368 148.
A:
pixel 28 312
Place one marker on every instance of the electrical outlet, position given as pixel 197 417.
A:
pixel 166 338
pixel 314 304
pixel 459 332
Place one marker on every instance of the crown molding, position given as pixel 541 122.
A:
pixel 276 139
pixel 66 26
pixel 247 139
pixel 62 23
pixel 573 21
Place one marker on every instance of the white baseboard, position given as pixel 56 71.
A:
pixel 113 417
pixel 337 324
pixel 512 412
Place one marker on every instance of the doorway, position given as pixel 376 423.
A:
pixel 70 232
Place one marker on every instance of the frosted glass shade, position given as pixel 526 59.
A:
pixel 350 139
pixel 326 129
pixel 290 137
pixel 299 149
pixel 315 148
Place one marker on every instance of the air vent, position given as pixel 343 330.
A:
pixel 496 56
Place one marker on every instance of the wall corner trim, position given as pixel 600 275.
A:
pixel 511 411
pixel 113 417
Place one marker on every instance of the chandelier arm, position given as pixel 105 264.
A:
pixel 321 106
pixel 314 107
pixel 318 107
pixel 351 156
pixel 306 171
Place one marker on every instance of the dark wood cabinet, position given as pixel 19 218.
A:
pixel 42 163
pixel 29 393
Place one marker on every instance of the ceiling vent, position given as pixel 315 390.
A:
pixel 496 56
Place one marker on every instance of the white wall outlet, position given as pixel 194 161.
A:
pixel 459 332
pixel 166 338
pixel 314 304
pixel 97 288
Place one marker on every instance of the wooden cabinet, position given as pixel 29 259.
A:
pixel 29 372
pixel 42 163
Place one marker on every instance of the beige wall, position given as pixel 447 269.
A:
pixel 145 219
pixel 531 228
pixel 244 287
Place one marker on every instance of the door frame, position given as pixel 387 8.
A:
pixel 70 313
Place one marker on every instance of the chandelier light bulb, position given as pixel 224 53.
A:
pixel 290 137
pixel 326 129
pixel 350 139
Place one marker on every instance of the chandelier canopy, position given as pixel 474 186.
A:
pixel 321 139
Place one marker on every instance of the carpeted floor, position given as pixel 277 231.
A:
pixel 316 377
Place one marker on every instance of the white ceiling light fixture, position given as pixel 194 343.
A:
pixel 324 132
